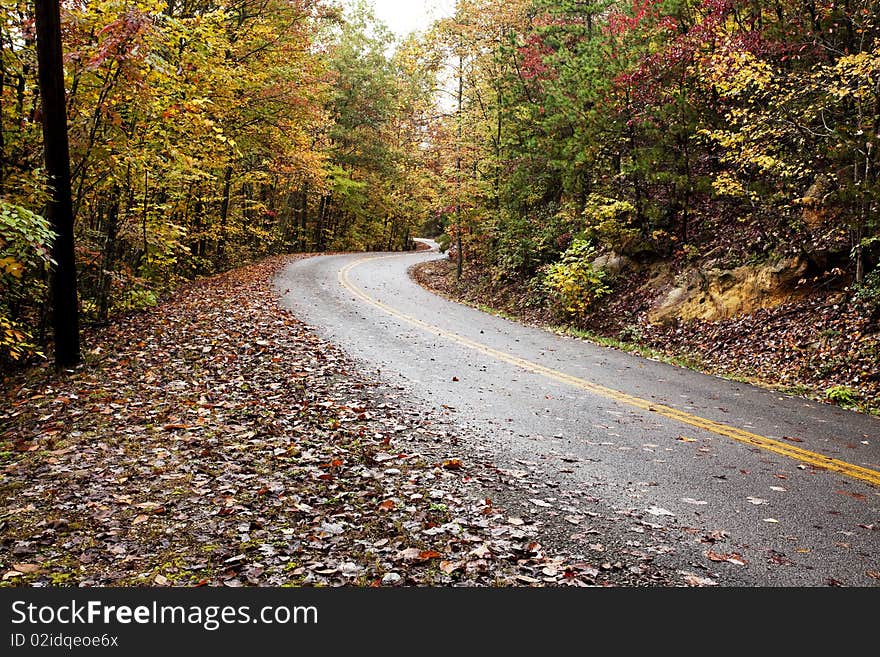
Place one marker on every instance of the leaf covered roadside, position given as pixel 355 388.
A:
pixel 216 440
pixel 816 346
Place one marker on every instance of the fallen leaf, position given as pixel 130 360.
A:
pixel 696 580
pixel 540 503
pixel 733 557
pixel 659 511
pixel 855 496
pixel 691 500
pixel 449 567
pixel 409 554
pixel 685 439
pixel 26 568
pixel 714 537
pixel 387 505
pixel 452 464
pixel 756 500
pixel 481 552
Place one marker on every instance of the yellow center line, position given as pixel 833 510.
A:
pixel 805 456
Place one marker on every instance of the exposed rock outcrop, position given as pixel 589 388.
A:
pixel 711 294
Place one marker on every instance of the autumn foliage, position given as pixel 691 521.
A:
pixel 204 134
pixel 744 129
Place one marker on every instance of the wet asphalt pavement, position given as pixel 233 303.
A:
pixel 792 524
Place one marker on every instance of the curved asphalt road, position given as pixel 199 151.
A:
pixel 644 437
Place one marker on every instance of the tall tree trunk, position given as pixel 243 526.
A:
pixel 390 243
pixel 303 219
pixel 65 310
pixel 145 258
pixel 2 139
pixel 109 257
pixel 224 211
pixel 459 255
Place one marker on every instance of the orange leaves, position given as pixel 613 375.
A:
pixel 733 558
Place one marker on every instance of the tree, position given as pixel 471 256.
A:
pixel 63 288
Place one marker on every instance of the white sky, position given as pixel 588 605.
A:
pixel 404 16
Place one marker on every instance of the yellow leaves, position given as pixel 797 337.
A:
pixel 734 72
pixel 766 162
pixel 11 266
pixel 14 342
pixel 853 75
pixel 726 185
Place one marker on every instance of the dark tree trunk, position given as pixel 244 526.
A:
pixel 459 250
pixel 65 310
pixel 303 219
pixel 224 211
pixel 390 243
pixel 109 258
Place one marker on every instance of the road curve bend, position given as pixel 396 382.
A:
pixel 778 475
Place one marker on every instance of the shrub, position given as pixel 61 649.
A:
pixel 524 244
pixel 609 223
pixel 573 282
pixel 444 241
pixel 842 395
pixel 867 293
pixel 25 240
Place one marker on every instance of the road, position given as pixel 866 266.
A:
pixel 793 485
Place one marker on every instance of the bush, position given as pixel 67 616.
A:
pixel 867 293
pixel 444 241
pixel 526 243
pixel 573 282
pixel 842 396
pixel 609 223
pixel 25 240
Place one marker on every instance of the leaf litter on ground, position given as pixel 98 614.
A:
pixel 217 440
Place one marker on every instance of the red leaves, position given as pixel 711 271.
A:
pixel 855 496
pixel 733 558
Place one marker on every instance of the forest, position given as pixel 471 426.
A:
pixel 534 136
pixel 223 364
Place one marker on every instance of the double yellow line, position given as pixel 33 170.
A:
pixel 784 449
